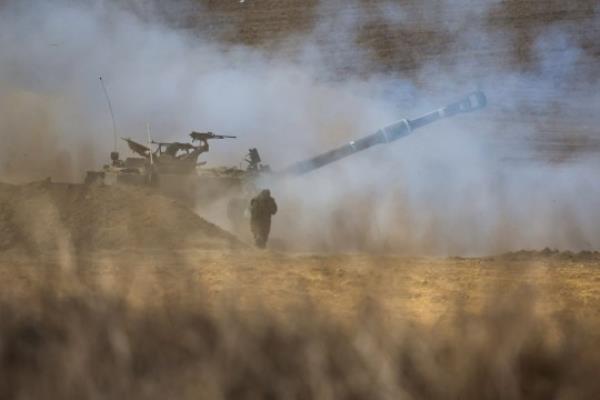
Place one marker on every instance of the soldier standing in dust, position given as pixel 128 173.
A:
pixel 262 207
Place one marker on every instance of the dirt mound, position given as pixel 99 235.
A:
pixel 47 216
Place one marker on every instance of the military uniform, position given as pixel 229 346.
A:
pixel 262 207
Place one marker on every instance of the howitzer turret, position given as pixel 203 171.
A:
pixel 472 102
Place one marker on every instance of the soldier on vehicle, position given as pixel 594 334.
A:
pixel 262 207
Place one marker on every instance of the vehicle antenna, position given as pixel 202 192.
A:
pixel 149 143
pixel 112 115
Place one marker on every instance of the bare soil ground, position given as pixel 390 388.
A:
pixel 75 217
pixel 421 289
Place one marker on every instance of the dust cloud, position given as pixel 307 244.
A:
pixel 475 184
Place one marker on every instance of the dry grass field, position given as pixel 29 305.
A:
pixel 417 289
pixel 192 323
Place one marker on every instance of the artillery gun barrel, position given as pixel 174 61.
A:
pixel 472 102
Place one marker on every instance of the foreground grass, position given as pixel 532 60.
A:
pixel 106 327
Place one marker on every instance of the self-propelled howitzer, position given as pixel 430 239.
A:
pixel 405 127
pixel 175 170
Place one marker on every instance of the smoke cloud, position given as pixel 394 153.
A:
pixel 519 174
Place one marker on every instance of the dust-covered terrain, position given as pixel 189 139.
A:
pixel 72 217
pixel 98 300
pixel 460 262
